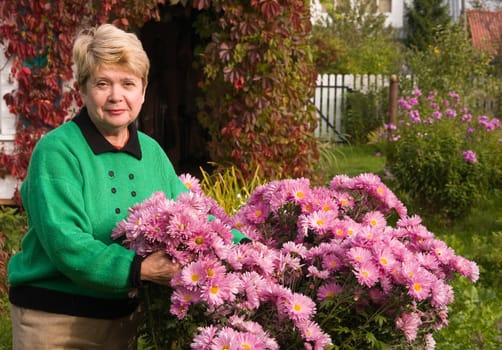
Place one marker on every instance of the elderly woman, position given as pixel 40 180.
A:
pixel 70 282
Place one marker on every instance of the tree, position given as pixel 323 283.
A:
pixel 424 19
pixel 355 40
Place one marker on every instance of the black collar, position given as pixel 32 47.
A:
pixel 99 144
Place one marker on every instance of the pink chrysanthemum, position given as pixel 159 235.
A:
pixel 249 341
pixel 383 255
pixel 409 323
pixel 419 287
pixel 328 291
pixel 466 268
pixel 225 339
pixel 204 339
pixel 191 182
pixel 298 306
pixel 312 333
pixel 358 255
pixel 441 293
pixel 367 274
pixel 374 219
pixel 331 262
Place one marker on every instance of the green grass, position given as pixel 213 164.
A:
pixel 350 160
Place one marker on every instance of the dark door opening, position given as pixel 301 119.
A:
pixel 169 113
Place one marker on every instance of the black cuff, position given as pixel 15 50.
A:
pixel 135 274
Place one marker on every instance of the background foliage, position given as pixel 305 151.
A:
pixel 258 80
pixel 355 40
pixel 450 63
pixel 424 18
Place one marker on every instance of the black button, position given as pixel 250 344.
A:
pixel 131 176
pixel 117 210
pixel 133 193
pixel 111 173
pixel 114 190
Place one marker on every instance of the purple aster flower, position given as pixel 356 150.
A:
pixel 470 156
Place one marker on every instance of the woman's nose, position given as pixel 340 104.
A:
pixel 115 93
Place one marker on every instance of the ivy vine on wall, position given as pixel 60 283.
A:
pixel 258 76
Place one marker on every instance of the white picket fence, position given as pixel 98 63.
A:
pixel 331 99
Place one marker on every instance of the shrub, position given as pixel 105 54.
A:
pixel 450 63
pixel 12 228
pixel 366 112
pixel 442 156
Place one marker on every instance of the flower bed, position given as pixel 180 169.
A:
pixel 341 266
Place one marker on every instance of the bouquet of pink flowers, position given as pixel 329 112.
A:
pixel 340 266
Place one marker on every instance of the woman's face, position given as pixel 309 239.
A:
pixel 113 97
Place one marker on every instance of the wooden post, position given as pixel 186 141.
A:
pixel 393 96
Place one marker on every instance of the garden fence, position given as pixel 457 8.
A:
pixel 349 106
pixel 334 106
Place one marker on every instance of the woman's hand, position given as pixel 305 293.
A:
pixel 158 268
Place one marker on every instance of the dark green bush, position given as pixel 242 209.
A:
pixel 443 157
pixel 366 112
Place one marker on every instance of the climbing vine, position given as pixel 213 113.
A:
pixel 257 81
pixel 38 36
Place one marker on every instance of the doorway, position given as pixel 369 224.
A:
pixel 169 113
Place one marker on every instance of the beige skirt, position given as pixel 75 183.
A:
pixel 33 329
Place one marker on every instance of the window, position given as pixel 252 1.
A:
pixel 385 6
pixel 7 120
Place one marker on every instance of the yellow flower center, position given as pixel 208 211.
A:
pixel 299 194
pixel 319 222
pixel 195 277
pixel 246 346
pixel 297 307
pixel 383 261
pixel 214 290
pixel 257 213
pixel 210 272
pixel 417 287
pixel 188 184
pixel 199 240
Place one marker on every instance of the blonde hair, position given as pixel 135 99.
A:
pixel 105 46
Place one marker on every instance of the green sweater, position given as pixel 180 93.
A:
pixel 77 188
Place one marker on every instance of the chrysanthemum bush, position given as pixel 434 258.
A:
pixel 443 156
pixel 340 266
